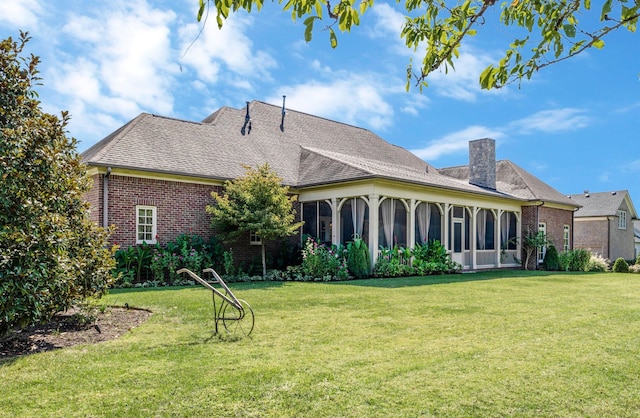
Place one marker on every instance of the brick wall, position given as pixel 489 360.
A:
pixel 180 209
pixel 593 235
pixel 555 220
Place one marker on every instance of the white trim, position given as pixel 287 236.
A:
pixel 622 219
pixel 154 224
pixel 254 238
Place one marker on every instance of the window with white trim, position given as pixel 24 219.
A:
pixel 254 238
pixel 622 219
pixel 146 226
pixel 566 243
pixel 542 227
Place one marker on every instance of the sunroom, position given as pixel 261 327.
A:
pixel 479 234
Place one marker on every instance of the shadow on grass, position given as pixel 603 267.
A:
pixel 446 278
pixel 232 285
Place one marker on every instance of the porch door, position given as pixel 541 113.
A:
pixel 458 242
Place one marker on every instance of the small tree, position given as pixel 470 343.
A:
pixel 620 265
pixel 257 202
pixel 551 260
pixel 51 254
pixel 531 243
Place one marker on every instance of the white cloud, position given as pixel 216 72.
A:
pixel 216 50
pixel 360 99
pixel 20 13
pixel 353 99
pixel 455 142
pixel 552 121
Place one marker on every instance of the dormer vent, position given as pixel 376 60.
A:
pixel 284 112
pixel 246 128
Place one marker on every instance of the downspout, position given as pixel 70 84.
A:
pixel 609 219
pixel 105 198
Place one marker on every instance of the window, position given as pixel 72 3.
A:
pixel 542 227
pixel 566 242
pixel 622 219
pixel 485 234
pixel 254 238
pixel 317 221
pixel 508 231
pixel 146 224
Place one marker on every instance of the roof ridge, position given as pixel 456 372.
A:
pixel 319 117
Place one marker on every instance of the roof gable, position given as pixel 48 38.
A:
pixel 603 203
pixel 513 180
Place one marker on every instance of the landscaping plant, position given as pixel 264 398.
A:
pixel 51 254
pixel 620 266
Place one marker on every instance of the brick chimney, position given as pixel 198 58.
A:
pixel 482 163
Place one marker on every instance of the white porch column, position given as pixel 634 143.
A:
pixel 473 233
pixel 499 234
pixel 445 230
pixel 411 243
pixel 335 221
pixel 374 225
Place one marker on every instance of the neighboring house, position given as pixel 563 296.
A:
pixel 154 176
pixel 604 223
pixel 636 237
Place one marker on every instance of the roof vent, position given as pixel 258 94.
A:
pixel 246 128
pixel 284 112
pixel 586 193
pixel 614 193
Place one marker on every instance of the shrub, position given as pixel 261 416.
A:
pixel 598 263
pixel 393 262
pixel 320 262
pixel 575 260
pixel 551 260
pixel 52 255
pixel 358 262
pixel 634 268
pixel 620 266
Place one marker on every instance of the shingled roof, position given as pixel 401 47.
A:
pixel 602 203
pixel 216 148
pixel 305 150
pixel 513 180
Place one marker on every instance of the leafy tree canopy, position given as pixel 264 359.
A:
pixel 51 254
pixel 256 202
pixel 553 30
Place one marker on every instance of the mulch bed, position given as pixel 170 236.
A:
pixel 69 329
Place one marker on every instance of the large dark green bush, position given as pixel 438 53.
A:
pixel 51 254
pixel 358 262
pixel 551 260
pixel 620 266
pixel 575 260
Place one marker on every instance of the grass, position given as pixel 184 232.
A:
pixel 527 344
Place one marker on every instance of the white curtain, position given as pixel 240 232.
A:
pixel 423 212
pixel 504 229
pixel 388 208
pixel 482 228
pixel 357 216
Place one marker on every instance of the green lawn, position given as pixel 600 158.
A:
pixel 488 344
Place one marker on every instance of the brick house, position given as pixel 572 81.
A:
pixel 604 223
pixel 154 176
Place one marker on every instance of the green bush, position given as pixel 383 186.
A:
pixel 52 255
pixel 320 262
pixel 358 262
pixel 551 260
pixel 620 266
pixel 575 260
pixel 598 263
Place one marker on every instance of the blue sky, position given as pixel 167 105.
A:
pixel 575 125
